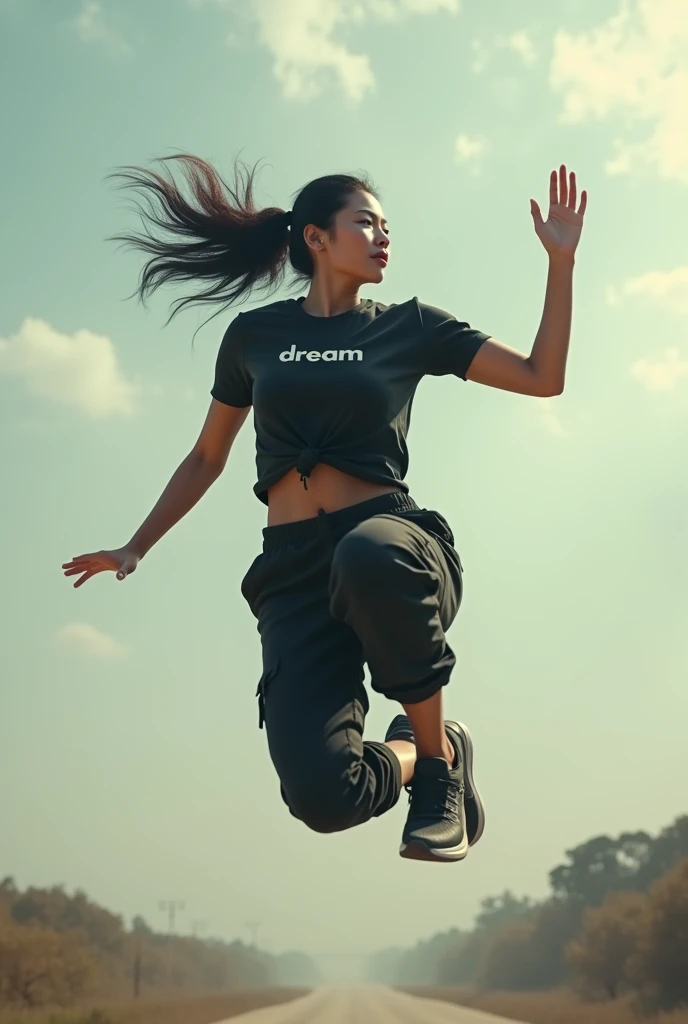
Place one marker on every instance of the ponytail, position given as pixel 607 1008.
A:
pixel 222 239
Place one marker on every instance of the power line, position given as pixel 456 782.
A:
pixel 171 906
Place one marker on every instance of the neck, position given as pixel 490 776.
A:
pixel 329 298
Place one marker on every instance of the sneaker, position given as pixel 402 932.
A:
pixel 400 729
pixel 435 828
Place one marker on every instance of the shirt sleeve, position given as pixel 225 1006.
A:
pixel 233 383
pixel 449 345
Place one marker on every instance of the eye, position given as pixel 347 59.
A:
pixel 367 220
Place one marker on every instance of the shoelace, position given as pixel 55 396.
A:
pixel 436 796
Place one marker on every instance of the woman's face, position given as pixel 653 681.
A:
pixel 360 238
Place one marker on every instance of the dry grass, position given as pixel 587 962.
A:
pixel 546 1007
pixel 199 1010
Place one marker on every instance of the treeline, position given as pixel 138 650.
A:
pixel 615 922
pixel 58 949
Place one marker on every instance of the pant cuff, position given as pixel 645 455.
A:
pixel 383 751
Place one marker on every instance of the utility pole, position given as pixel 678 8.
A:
pixel 197 928
pixel 137 966
pixel 171 906
pixel 253 928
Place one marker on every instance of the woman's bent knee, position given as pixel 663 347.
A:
pixel 327 809
pixel 361 562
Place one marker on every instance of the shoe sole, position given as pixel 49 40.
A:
pixel 417 850
pixel 468 777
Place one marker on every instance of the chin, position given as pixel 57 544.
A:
pixel 378 272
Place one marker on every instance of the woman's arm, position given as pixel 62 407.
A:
pixel 188 484
pixel 543 372
pixel 201 467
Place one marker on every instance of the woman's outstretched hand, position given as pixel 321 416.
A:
pixel 122 561
pixel 561 232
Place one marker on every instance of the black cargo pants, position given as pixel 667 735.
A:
pixel 377 582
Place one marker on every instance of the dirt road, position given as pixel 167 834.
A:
pixel 364 1006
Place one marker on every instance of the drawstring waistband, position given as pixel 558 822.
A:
pixel 330 523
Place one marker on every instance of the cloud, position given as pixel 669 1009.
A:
pixel 79 370
pixel 82 638
pixel 91 27
pixel 301 35
pixel 550 420
pixel 470 151
pixel 661 374
pixel 519 42
pixel 635 64
pixel 522 44
pixel 667 288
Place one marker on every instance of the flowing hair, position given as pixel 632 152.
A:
pixel 223 241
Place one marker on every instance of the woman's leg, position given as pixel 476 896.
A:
pixel 312 696
pixel 399 588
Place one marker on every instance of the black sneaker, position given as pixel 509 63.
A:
pixel 400 729
pixel 435 828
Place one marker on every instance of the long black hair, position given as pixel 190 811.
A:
pixel 222 238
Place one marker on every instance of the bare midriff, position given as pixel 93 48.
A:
pixel 328 489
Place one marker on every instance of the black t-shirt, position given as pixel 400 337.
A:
pixel 337 389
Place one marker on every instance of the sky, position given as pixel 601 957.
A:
pixel 130 757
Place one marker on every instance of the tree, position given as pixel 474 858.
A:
pixel 498 910
pixel 56 909
pixel 600 866
pixel 670 847
pixel 660 967
pixel 601 955
pixel 507 960
pixel 38 966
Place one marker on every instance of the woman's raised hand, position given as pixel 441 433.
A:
pixel 561 232
pixel 121 561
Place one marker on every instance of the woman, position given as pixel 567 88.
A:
pixel 352 570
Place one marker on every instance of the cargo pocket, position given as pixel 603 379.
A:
pixel 269 673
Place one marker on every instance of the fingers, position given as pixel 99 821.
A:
pixel 79 559
pixel 563 186
pixel 572 191
pixel 86 576
pixel 85 565
pixel 583 202
pixel 553 191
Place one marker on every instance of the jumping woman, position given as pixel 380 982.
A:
pixel 352 570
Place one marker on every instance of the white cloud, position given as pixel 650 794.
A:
pixel 522 44
pixel 634 64
pixel 612 296
pixel 79 370
pixel 92 27
pixel 301 37
pixel 470 151
pixel 519 42
pixel 667 288
pixel 82 638
pixel 549 418
pixel 661 374
pixel 670 289
pixel 481 55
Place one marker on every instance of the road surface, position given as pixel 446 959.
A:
pixel 370 1005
